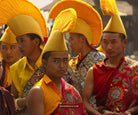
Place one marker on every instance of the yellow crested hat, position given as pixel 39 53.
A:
pixel 88 21
pixel 8 37
pixel 24 24
pixel 56 41
pixel 115 24
pixel 11 8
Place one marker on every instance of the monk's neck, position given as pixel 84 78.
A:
pixel 114 61
pixel 58 83
pixel 85 51
pixel 34 57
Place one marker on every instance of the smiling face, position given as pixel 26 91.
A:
pixel 10 52
pixel 57 64
pixel 113 45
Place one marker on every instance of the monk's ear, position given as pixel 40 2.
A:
pixel 37 41
pixel 44 62
pixel 44 65
pixel 125 42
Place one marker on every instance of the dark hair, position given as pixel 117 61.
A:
pixel 46 55
pixel 122 36
pixel 34 36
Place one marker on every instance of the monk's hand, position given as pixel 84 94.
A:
pixel 127 113
pixel 20 103
pixel 106 112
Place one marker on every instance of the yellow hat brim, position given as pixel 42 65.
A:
pixel 24 24
pixel 12 8
pixel 85 12
pixel 8 37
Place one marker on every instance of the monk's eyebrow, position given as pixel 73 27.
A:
pixel 56 58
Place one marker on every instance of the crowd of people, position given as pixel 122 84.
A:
pixel 37 74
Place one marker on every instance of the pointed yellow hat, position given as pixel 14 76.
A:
pixel 88 20
pixel 56 42
pixel 63 23
pixel 115 24
pixel 12 8
pixel 24 24
pixel 8 37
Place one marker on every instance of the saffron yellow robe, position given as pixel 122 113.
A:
pixel 22 71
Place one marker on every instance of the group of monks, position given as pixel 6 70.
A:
pixel 37 75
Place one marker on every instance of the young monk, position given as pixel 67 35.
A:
pixel 113 81
pixel 52 95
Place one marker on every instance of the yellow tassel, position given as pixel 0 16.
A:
pixel 108 7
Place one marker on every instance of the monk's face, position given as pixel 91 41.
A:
pixel 10 52
pixel 76 42
pixel 113 45
pixel 26 45
pixel 57 64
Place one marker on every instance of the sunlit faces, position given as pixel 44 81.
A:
pixel 57 64
pixel 76 42
pixel 1 68
pixel 112 44
pixel 10 52
pixel 26 45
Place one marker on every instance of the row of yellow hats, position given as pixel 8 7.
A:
pixel 74 20
pixel 22 23
pixel 87 21
pixel 22 17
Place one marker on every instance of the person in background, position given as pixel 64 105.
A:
pixel 10 54
pixel 84 35
pixel 6 99
pixel 29 26
pixel 112 81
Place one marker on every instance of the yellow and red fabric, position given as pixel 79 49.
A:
pixel 52 96
pixel 55 101
pixel 120 95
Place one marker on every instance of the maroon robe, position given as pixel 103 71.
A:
pixel 7 106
